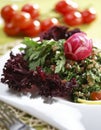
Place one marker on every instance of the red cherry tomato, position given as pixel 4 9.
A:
pixel 32 9
pixel 21 20
pixel 89 15
pixel 33 30
pixel 73 19
pixel 8 11
pixel 11 30
pixel 66 6
pixel 95 96
pixel 48 23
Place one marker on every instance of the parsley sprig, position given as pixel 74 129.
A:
pixel 45 54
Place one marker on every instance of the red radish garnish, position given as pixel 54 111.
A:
pixel 78 47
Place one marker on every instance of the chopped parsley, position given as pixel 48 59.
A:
pixel 49 54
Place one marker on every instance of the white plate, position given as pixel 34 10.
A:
pixel 62 114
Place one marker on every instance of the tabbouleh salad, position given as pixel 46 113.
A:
pixel 56 65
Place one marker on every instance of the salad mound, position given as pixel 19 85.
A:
pixel 61 63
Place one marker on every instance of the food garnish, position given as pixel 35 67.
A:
pixel 44 67
pixel 91 102
pixel 78 46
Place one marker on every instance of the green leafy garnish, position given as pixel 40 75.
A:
pixel 45 54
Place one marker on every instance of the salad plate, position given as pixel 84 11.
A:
pixel 62 114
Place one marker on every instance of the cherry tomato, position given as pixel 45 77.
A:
pixel 21 19
pixel 66 6
pixel 89 15
pixel 48 23
pixel 8 11
pixel 32 9
pixel 95 96
pixel 33 30
pixel 73 19
pixel 11 30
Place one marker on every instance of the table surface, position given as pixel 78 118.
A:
pixel 92 30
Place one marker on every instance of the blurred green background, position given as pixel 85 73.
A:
pixel 92 30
